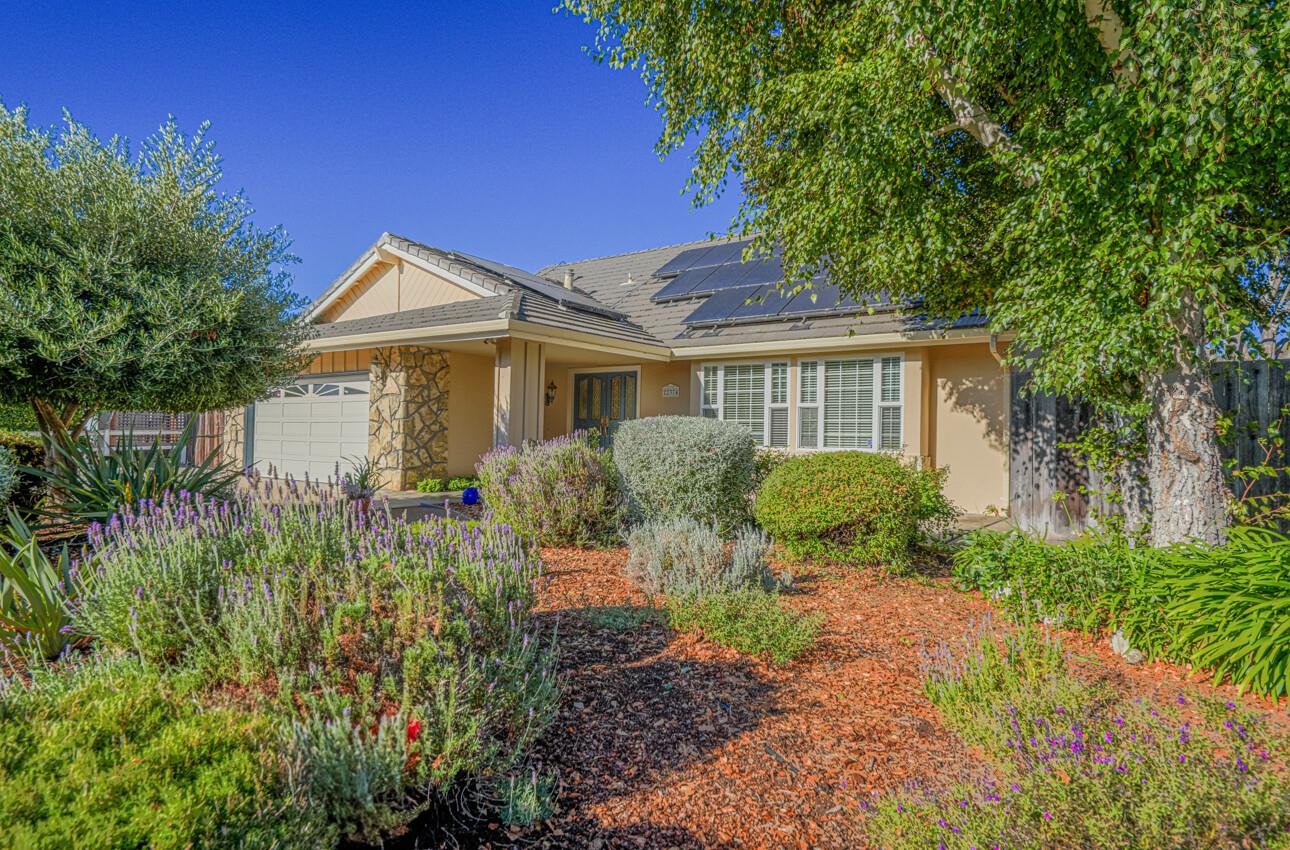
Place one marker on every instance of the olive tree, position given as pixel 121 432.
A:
pixel 1103 177
pixel 131 282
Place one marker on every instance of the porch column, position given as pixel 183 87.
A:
pixel 915 401
pixel 519 373
pixel 408 421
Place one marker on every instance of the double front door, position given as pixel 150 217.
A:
pixel 602 401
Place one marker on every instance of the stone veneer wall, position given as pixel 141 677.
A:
pixel 408 425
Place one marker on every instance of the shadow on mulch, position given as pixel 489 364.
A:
pixel 631 717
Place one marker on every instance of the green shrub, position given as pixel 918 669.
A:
pixel 683 557
pixel 858 507
pixel 17 417
pixel 750 621
pixel 676 467
pixel 617 618
pixel 115 755
pixel 562 492
pixel 28 451
pixel 451 485
pixel 1076 582
pixel 10 478
pixel 1073 769
pixel 1225 609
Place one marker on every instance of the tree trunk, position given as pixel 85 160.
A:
pixel 1184 466
pixel 57 428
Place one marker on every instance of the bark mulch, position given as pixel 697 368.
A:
pixel 668 741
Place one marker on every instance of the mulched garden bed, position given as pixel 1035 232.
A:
pixel 668 741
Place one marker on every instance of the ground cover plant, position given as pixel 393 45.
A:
pixel 857 507
pixel 677 467
pixel 726 591
pixel 374 667
pixel 1224 609
pixel 561 492
pixel 118 754
pixel 1072 766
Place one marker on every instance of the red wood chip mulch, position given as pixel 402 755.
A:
pixel 668 741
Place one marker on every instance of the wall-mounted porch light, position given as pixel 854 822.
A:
pixel 550 393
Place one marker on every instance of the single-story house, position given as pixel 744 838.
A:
pixel 426 358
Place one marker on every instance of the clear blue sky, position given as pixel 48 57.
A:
pixel 476 126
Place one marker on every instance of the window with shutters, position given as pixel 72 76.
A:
pixel 853 403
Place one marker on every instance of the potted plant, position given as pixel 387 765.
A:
pixel 360 483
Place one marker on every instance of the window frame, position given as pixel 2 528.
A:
pixel 878 359
pixel 717 409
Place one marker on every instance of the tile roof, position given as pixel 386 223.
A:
pixel 626 283
pixel 611 298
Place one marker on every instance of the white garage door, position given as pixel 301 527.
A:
pixel 309 427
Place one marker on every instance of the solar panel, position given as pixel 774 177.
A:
pixel 820 298
pixel 683 261
pixel 683 284
pixel 719 307
pixel 765 303
pixel 705 257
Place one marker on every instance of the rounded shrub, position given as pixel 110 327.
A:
pixel 9 479
pixel 561 492
pixel 674 467
pixel 858 507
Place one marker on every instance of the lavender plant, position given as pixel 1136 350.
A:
pixel 1069 769
pixel 338 621
pixel 561 492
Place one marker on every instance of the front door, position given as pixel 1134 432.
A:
pixel 602 401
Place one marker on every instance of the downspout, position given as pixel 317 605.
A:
pixel 994 351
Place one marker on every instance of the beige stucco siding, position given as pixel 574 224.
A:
pixel 968 427
pixel 470 411
pixel 391 287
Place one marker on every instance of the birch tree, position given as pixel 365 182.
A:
pixel 1104 178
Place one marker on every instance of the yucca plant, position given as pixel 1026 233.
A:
pixel 1229 608
pixel 34 591
pixel 92 485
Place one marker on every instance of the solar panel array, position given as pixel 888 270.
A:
pixel 737 291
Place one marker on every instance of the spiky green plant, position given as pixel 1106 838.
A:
pixel 92 485
pixel 34 612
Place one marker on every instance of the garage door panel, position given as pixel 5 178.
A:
pixel 311 428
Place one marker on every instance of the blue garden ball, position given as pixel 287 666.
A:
pixel 470 496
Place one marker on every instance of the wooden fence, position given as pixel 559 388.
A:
pixel 1253 392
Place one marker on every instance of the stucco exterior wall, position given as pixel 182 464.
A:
pixel 389 288
pixel 470 411
pixel 968 425
pixel 653 377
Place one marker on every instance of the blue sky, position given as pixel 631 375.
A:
pixel 476 126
